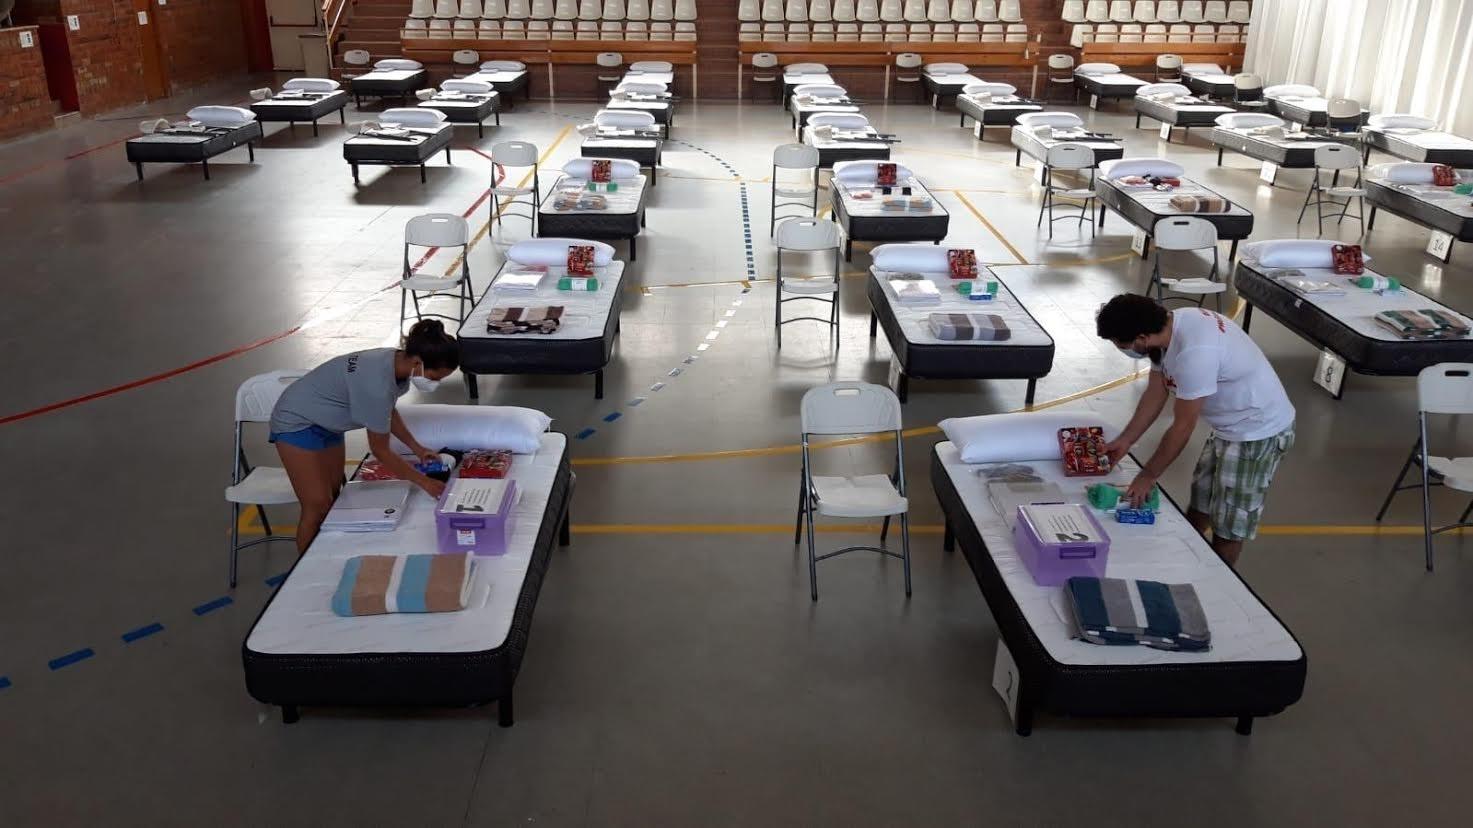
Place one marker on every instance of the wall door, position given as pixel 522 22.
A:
pixel 155 77
pixel 290 19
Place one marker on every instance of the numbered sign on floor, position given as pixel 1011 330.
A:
pixel 1440 245
pixel 1005 679
pixel 1268 172
pixel 1166 133
pixel 894 375
pixel 1329 373
pixel 1039 177
pixel 1094 101
pixel 1138 242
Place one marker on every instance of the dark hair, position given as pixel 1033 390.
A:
pixel 1128 316
pixel 428 341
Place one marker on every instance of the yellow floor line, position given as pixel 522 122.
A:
pixel 1000 237
pixel 485 228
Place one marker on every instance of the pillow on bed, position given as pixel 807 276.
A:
pixel 945 68
pixel 503 66
pixel 1097 69
pixel 1204 68
pixel 1176 90
pixel 312 84
pixel 1144 167
pixel 1291 90
pixel 1058 120
pixel 553 252
pixel 842 120
pixel 398 65
pixel 409 116
pixel 1407 172
pixel 465 427
pixel 996 90
pixel 1018 437
pixel 1401 121
pixel 221 116
pixel 470 87
pixel 864 172
pixel 1247 120
pixel 820 90
pixel 1291 253
pixel 624 119
pixel 618 168
pixel 899 258
pixel 642 88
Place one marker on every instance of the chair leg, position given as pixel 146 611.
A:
pixel 905 548
pixel 1426 497
pixel 265 524
pixel 798 524
pixel 1386 504
pixel 1307 196
pixel 234 540
pixel 812 559
pixel 884 529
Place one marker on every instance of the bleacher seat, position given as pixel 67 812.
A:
pixel 890 11
pixel 747 31
pixel 565 10
pixel 846 32
pixel 539 29
pixel 1016 33
pixel 1107 33
pixel 896 32
pixel 640 10
pixel 541 10
pixel 1191 12
pixel 1155 33
pixel 440 29
pixel 798 33
pixel 470 9
pixel 1229 33
pixel 422 9
pixel 1168 11
pixel 586 30
pixel 772 11
pixel 943 32
pixel 1074 11
pixel 664 10
pixel 843 11
pixel 518 10
pixel 464 29
pixel 774 32
pixel 1120 11
pixel 820 11
pixel 871 32
pixel 1132 33
pixel 992 33
pixel 1204 33
pixel 611 30
pixel 822 32
pixel 1179 33
pixel 1081 34
pixel 867 11
pixel 921 32
pixel 1240 11
pixel 415 27
pixel 1144 11
pixel 796 11
pixel 1215 12
pixel 489 29
pixel 1010 11
pixel 562 30
pixel 938 11
pixel 748 11
pixel 985 11
pixel 1097 11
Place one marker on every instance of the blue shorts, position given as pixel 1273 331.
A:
pixel 311 438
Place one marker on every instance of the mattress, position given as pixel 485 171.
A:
pixel 1028 354
pixel 1344 324
pixel 866 220
pixel 803 111
pixel 1254 668
pixel 300 109
pixel 1144 206
pixel 366 149
pixel 583 344
pixel 1211 82
pixel 642 151
pixel 1306 111
pixel 847 145
pixel 471 109
pixel 299 653
pixel 1425 146
pixel 994 113
pixel 791 80
pixel 620 220
pixel 1109 86
pixel 503 82
pixel 662 110
pixel 1290 152
pixel 1436 207
pixel 641 76
pixel 387 82
pixel 189 147
pixel 1191 113
pixel 948 84
pixel 1037 148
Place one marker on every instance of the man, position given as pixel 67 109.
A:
pixel 1218 374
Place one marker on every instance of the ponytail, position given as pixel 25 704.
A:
pixel 437 349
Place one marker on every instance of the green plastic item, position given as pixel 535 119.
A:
pixel 1378 283
pixel 612 187
pixel 588 283
pixel 1463 189
pixel 1104 496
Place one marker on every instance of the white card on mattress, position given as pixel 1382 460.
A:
pixel 585 313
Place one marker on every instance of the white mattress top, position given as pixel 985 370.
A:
pixel 1158 201
pixel 1357 308
pixel 914 318
pixel 1024 139
pixel 666 78
pixel 814 107
pixel 872 206
pixel 504 76
pixel 1008 102
pixel 623 201
pixel 1189 105
pixel 1441 198
pixel 1117 79
pixel 300 620
pixel 422 133
pixel 1424 138
pixel 392 74
pixel 1289 139
pixel 1170 551
pixel 585 313
pixel 964 79
pixel 834 142
pixel 794 79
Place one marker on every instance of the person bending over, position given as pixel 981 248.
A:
pixel 357 390
pixel 1217 373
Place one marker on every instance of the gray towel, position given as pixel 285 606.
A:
pixel 964 327
pixel 1115 611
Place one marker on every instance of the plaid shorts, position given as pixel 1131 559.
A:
pixel 1231 479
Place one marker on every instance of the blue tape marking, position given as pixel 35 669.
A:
pixel 4 682
pixel 657 386
pixel 71 658
pixel 612 417
pixel 211 606
pixel 635 402
pixel 586 433
pixel 142 632
pixel 276 579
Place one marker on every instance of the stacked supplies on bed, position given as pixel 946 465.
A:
pixel 1116 611
pixel 1200 204
pixel 368 506
pixel 520 278
pixel 1425 324
pixel 519 320
pixel 915 289
pixel 384 584
pixel 1302 284
pixel 568 200
pixel 969 327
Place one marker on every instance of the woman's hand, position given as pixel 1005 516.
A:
pixel 426 455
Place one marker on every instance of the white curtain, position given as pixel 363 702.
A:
pixel 1412 56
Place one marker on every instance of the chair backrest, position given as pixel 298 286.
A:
pixel 891 11
pixel 807 234
pixel 357 57
pixel 1187 233
pixel 908 60
pixel 985 11
pixel 496 9
pixel 1336 157
pixel 1168 61
pixel 795 157
pixel 1071 156
pixel 466 57
pixel 609 60
pixel 257 396
pixel 1246 81
pixel 1446 388
pixel 1060 61
pixel 843 11
pixel 437 230
pixel 514 153
pixel 764 60
pixel 1342 109
pixel 850 408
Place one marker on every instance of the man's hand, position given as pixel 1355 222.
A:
pixel 426 455
pixel 1139 489
pixel 1116 449
pixel 432 487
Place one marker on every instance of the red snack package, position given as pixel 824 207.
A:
pixel 601 171
pixel 580 260
pixel 1444 176
pixel 485 464
pixel 962 263
pixel 1347 259
pixel 885 174
pixel 372 469
pixel 1083 451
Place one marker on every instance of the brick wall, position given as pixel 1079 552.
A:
pixel 203 40
pixel 106 55
pixel 25 105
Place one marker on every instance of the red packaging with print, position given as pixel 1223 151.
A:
pixel 885 174
pixel 602 170
pixel 1083 451
pixel 962 263
pixel 1347 259
pixel 580 260
pixel 485 464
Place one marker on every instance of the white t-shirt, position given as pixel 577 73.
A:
pixel 1211 357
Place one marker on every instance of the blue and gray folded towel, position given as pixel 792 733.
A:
pixel 1116 611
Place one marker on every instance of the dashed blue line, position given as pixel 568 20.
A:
pixel 4 682
pixel 211 606
pixel 612 417
pixel 586 433
pixel 276 579
pixel 71 658
pixel 142 632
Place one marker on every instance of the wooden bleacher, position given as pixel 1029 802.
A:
pixel 436 51
pixel 1227 55
pixel 1022 56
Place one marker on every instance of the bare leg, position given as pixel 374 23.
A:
pixel 313 484
pixel 1228 550
pixel 1200 521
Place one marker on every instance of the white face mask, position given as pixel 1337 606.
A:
pixel 1131 352
pixel 422 382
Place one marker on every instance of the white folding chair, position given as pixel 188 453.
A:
pixel 1070 157
pixel 808 236
pixel 764 73
pixel 258 486
pixel 507 156
pixel 851 408
pixel 356 59
pixel 1168 68
pixel 429 231
pixel 907 71
pixel 794 181
pixel 1186 234
pixel 1446 388
pixel 1345 115
pixel 466 61
pixel 1248 93
pixel 610 70
pixel 1061 74
pixel 1335 158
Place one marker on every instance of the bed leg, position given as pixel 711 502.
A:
pixel 948 538
pixel 1247 316
pixel 633 250
pixel 504 713
pixel 1137 120
pixel 874 323
pixel 290 714
pixel 205 165
pixel 598 384
pixel 355 173
pixel 251 148
pixel 1233 252
pixel 472 387
pixel 447 155
pixel 1219 156
pixel 498 117
pixel 1370 220
pixel 343 116
pixel 1244 726
pixel 421 173
pixel 1017 158
pixel 848 250
pixel 1024 724
pixel 138 168
pixel 1032 386
pixel 565 531
pixel 314 128
pixel 480 129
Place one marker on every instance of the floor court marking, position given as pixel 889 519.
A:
pixel 966 202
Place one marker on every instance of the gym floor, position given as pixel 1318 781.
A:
pixel 677 673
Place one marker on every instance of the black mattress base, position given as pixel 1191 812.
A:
pixel 992 116
pixel 893 228
pixel 1240 690
pixel 1182 118
pixel 366 87
pixel 140 151
pixel 1293 158
pixel 600 226
pixel 417 679
pixel 458 114
pixel 1103 91
pixel 1461 157
pixel 1362 354
pixel 1226 91
pixel 829 156
pixel 397 154
pixel 1381 197
pixel 1232 227
pixel 269 111
pixel 532 354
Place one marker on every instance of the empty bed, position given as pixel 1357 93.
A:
pixel 865 212
pixel 507 77
pixel 301 100
pixel 1104 81
pixel 390 78
pixel 1121 188
pixel 1209 79
pixel 1416 139
pixel 208 132
pixel 1173 105
pixel 946 80
pixel 992 104
pixel 571 210
pixel 1036 132
pixel 1406 189
pixel 402 137
pixel 465 102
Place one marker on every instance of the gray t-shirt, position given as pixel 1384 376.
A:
pixel 355 390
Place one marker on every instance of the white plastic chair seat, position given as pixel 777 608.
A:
pixel 1345 192
pixel 511 191
pixel 1456 472
pixel 872 495
pixel 1082 192
pixel 809 285
pixel 1196 285
pixel 264 486
pixel 430 283
pixel 795 190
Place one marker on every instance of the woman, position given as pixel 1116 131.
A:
pixel 356 390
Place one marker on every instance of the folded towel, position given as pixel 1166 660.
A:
pixel 1200 204
pixel 1116 611
pixel 381 584
pixel 965 327
pixel 517 320
pixel 1429 323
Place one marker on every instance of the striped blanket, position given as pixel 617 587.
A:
pixel 962 327
pixel 517 320
pixel 1116 611
pixel 381 584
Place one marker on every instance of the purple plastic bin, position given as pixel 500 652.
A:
pixel 1058 541
pixel 474 515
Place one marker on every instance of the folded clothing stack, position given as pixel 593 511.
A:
pixel 1200 204
pixel 518 320
pixel 1117 611
pixel 912 291
pixel 575 200
pixel 906 203
pixel 966 327
pixel 1428 323
pixel 384 584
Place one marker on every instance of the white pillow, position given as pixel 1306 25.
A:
pixel 945 68
pixel 1292 253
pixel 1291 90
pixel 553 252
pixel 820 90
pixel 1400 121
pixel 398 64
pixel 1018 437
pixel 503 66
pixel 1060 120
pixel 1247 120
pixel 624 119
pixel 1175 89
pixel 470 87
pixel 1097 69
pixel 1146 167
pixel 312 84
pixel 642 88
pixel 221 116
pixel 409 116
pixel 618 168
pixel 997 90
pixel 921 258
pixel 1202 68
pixel 465 427
pixel 864 172
pixel 842 120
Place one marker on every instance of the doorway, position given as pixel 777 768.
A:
pixel 155 79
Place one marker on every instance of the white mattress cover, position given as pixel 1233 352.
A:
pixel 1008 102
pixel 391 74
pixel 1290 139
pixel 497 77
pixel 302 101
pixel 667 78
pixel 1117 79
pixel 1413 144
pixel 1442 198
pixel 424 133
pixel 794 79
pixel 813 108
pixel 622 201
pixel 626 142
pixel 913 318
pixel 1190 104
pixel 1170 551
pixel 1037 147
pixel 300 620
pixel 1357 308
pixel 962 80
pixel 810 139
pixel 641 104
pixel 871 206
pixel 1160 201
pixel 585 313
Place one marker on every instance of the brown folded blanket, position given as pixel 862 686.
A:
pixel 515 320
pixel 1200 204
